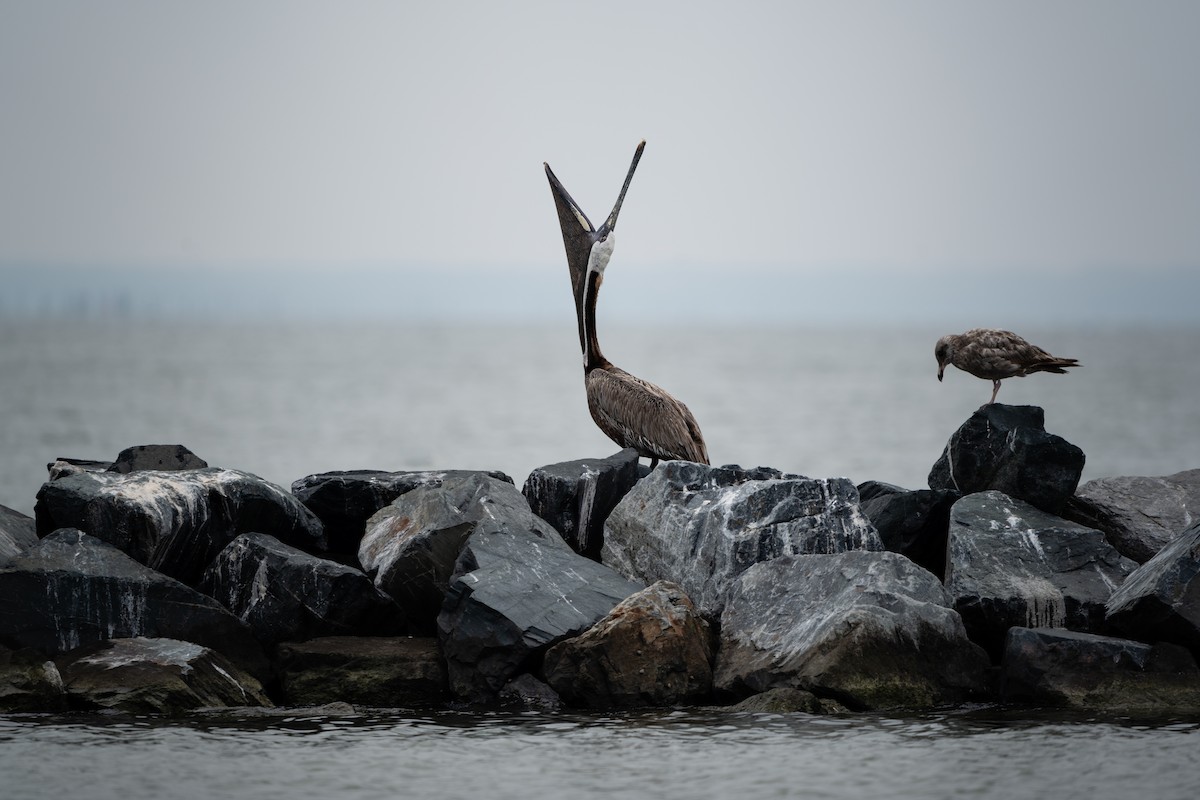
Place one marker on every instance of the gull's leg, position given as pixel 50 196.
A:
pixel 995 391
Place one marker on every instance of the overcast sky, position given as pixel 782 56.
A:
pixel 916 140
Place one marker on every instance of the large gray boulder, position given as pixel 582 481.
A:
pixel 284 594
pixel 155 676
pixel 702 526
pixel 1138 515
pixel 576 497
pixel 345 500
pixel 871 630
pixel 72 589
pixel 652 649
pixel 175 521
pixel 378 671
pixel 17 533
pixel 412 545
pixel 516 592
pixel 1011 565
pixel 1056 667
pixel 911 523
pixel 1161 600
pixel 1007 449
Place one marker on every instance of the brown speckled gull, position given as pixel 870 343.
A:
pixel 994 355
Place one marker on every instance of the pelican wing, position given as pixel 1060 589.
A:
pixel 636 413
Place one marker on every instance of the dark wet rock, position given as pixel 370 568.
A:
pixel 1007 449
pixel 162 457
pixel 71 589
pixel 527 693
pixel 284 594
pixel 652 649
pixel 1138 515
pixel 29 682
pixel 1161 600
pixel 155 676
pixel 576 497
pixel 871 630
pixel 787 701
pixel 17 533
pixel 383 672
pixel 518 590
pixel 176 522
pixel 1012 565
pixel 911 523
pixel 61 467
pixel 344 501
pixel 1055 667
pixel 702 526
pixel 411 547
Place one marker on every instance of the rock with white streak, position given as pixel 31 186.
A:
pixel 1161 600
pixel 576 497
pixel 155 676
pixel 345 500
pixel 871 630
pixel 71 589
pixel 284 594
pixel 176 522
pixel 702 526
pixel 1010 565
pixel 1140 516
pixel 1007 449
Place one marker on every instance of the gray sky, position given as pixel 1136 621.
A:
pixel 910 140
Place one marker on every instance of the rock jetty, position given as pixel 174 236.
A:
pixel 155 583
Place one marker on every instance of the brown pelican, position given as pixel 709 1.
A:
pixel 632 412
pixel 995 355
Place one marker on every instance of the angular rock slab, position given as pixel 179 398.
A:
pixel 515 594
pixel 576 497
pixel 29 682
pixel 1007 449
pixel 652 649
pixel 1055 667
pixel 1140 516
pixel 17 533
pixel 1010 565
pixel 871 630
pixel 702 526
pixel 175 522
pixel 284 594
pixel 1161 600
pixel 382 672
pixel 155 676
pixel 911 523
pixel 162 457
pixel 411 547
pixel 72 589
pixel 344 501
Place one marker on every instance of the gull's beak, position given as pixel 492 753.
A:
pixel 610 224
pixel 941 369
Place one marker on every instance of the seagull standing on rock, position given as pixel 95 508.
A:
pixel 994 355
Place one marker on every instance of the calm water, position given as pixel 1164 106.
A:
pixel 287 401
pixel 657 755
pixel 284 402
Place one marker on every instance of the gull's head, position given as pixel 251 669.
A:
pixel 943 351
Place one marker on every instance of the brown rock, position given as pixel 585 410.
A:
pixel 651 650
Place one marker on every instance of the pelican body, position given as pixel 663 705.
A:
pixel 994 355
pixel 630 411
